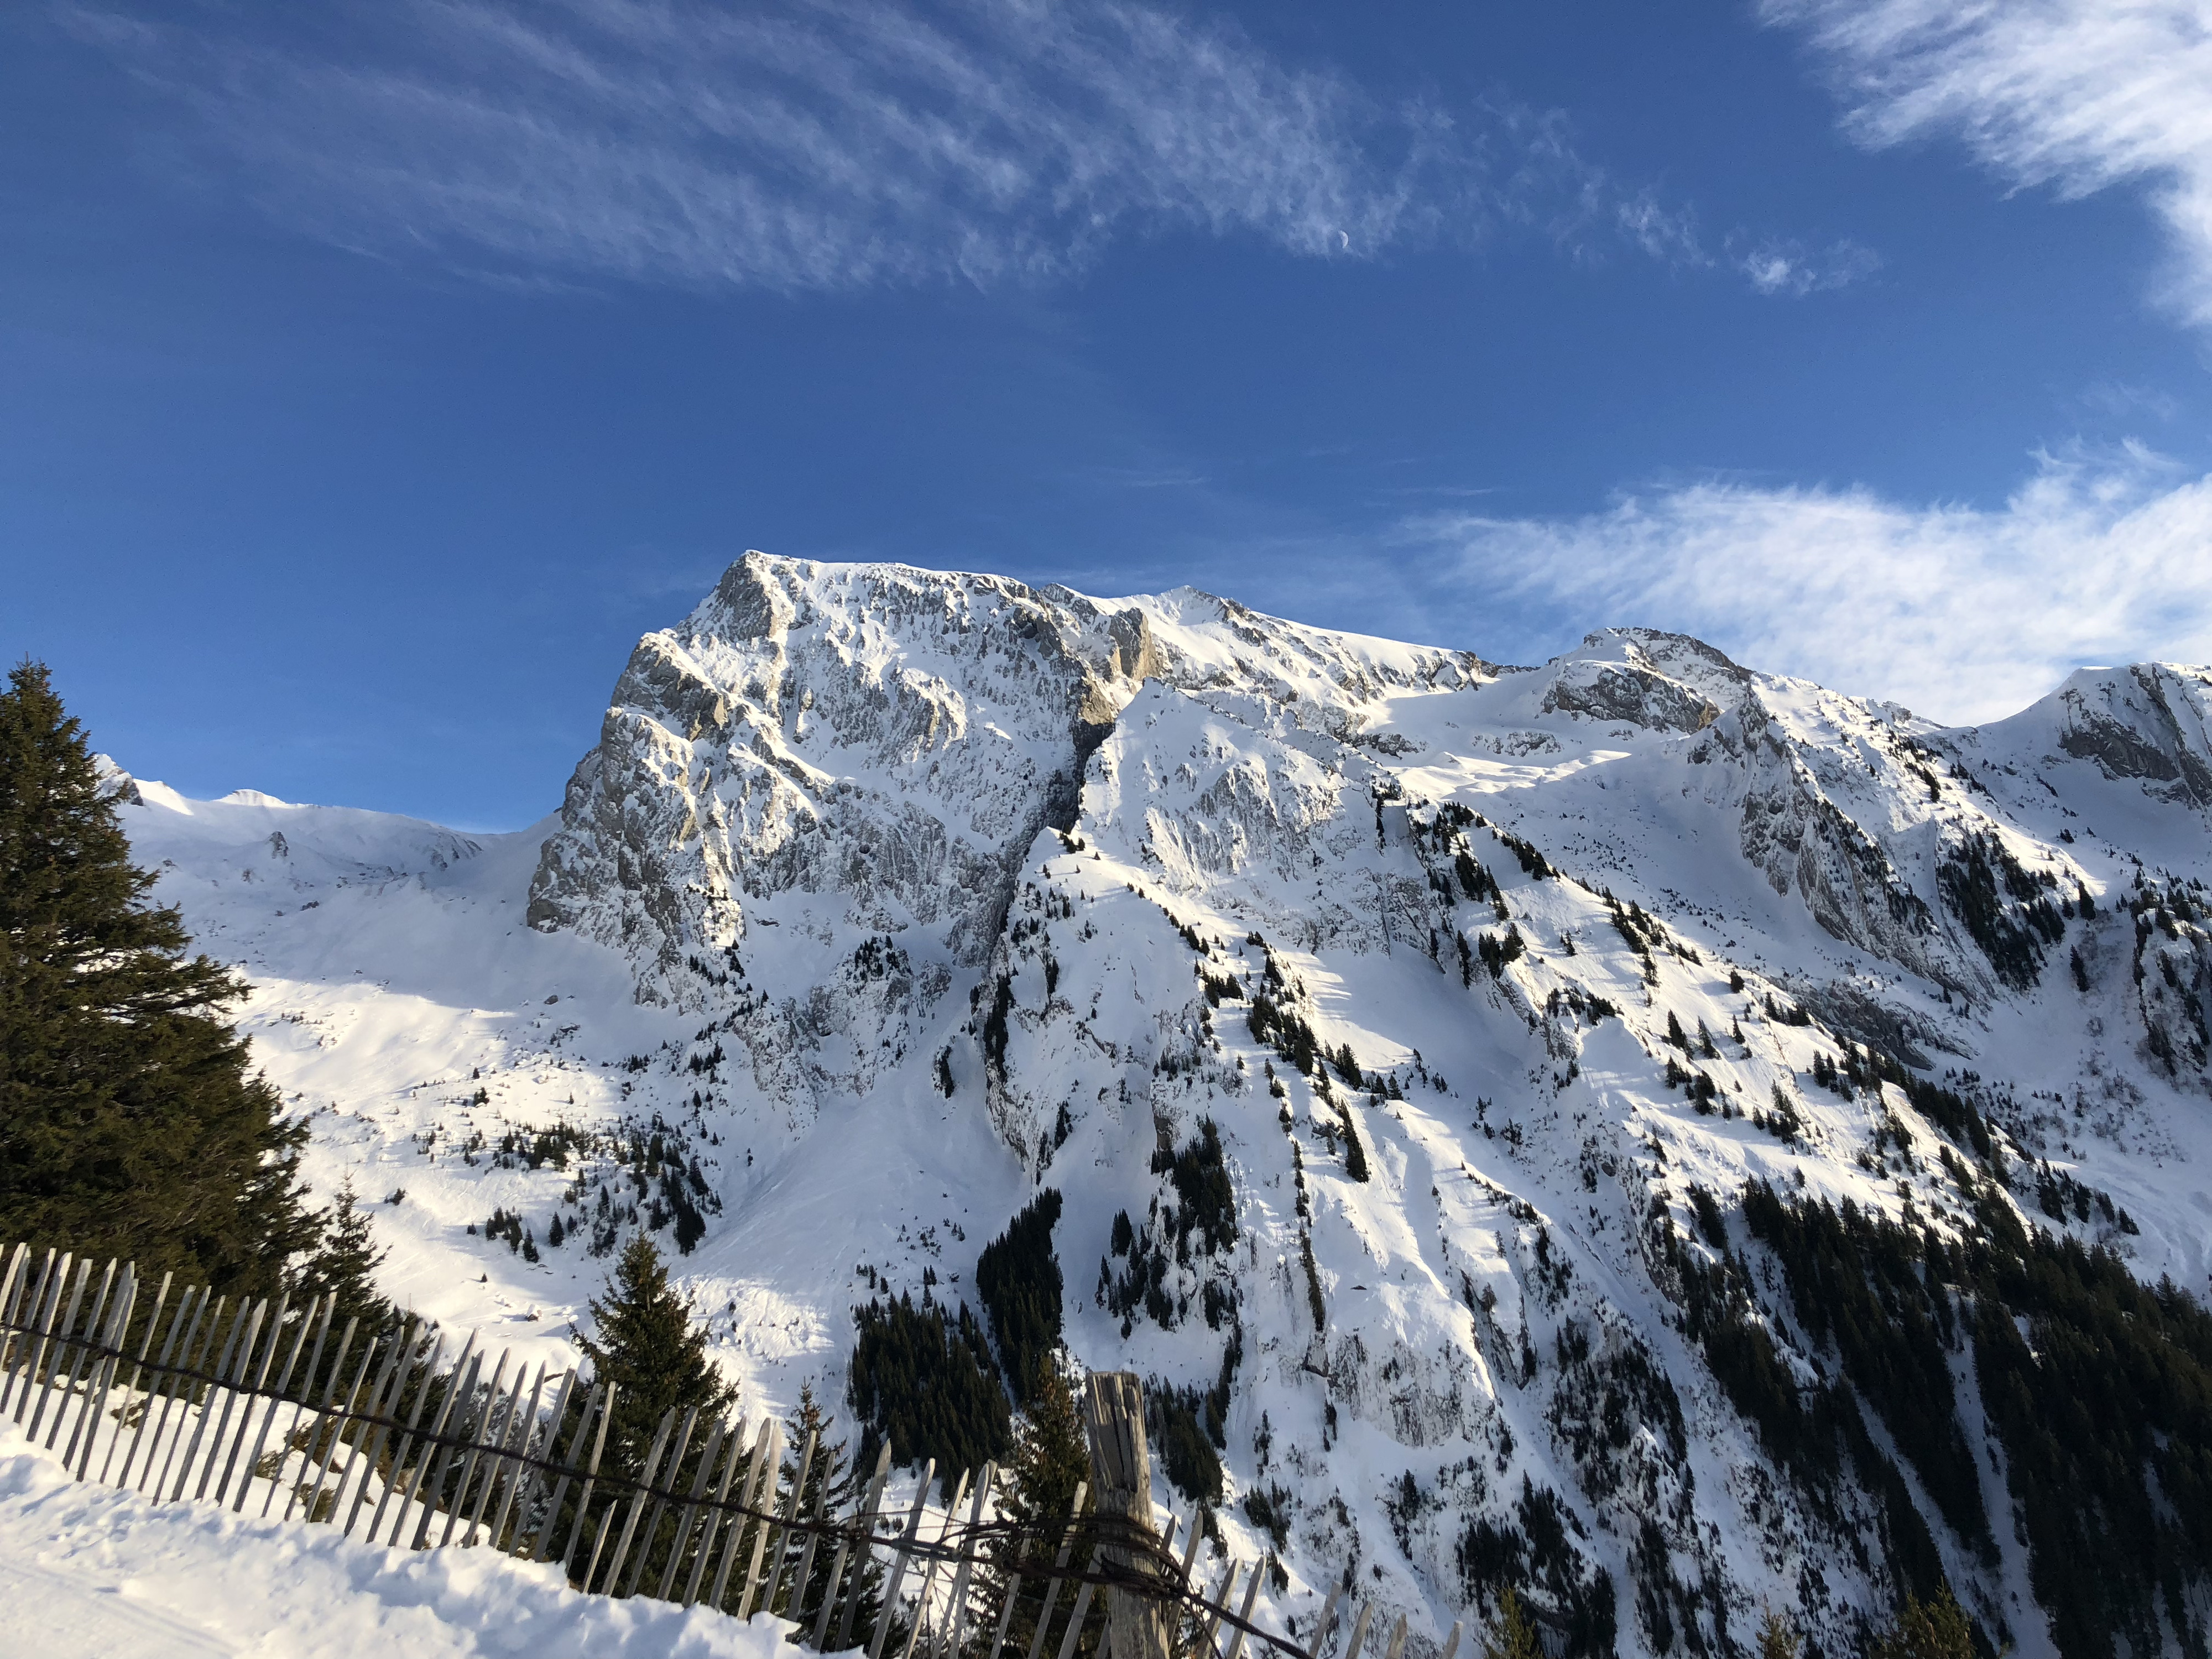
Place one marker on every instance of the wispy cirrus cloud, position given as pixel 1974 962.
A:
pixel 1963 613
pixel 1775 266
pixel 2075 94
pixel 832 144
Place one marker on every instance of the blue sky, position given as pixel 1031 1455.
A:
pixel 371 376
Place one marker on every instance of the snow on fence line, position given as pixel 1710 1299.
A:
pixel 198 1418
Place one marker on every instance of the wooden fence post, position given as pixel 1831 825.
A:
pixel 1059 1566
pixel 299 1409
pixel 864 1527
pixel 1114 1417
pixel 898 1573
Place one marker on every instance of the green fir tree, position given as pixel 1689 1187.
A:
pixel 645 1342
pixel 129 1124
pixel 1050 1459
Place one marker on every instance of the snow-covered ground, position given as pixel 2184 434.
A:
pixel 886 897
pixel 86 1572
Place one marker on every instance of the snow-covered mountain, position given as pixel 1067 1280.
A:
pixel 888 896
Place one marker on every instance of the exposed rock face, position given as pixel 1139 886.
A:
pixel 2149 723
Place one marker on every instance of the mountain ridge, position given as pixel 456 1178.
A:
pixel 887 895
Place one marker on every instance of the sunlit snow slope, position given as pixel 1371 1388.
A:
pixel 887 896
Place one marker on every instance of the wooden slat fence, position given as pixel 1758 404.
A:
pixel 183 1397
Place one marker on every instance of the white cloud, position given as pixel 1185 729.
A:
pixel 1962 613
pixel 1790 268
pixel 2078 95
pixel 798 144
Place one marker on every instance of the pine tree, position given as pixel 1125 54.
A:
pixel 835 1489
pixel 646 1345
pixel 346 1265
pixel 1775 1639
pixel 1937 1629
pixel 1515 1638
pixel 1051 1457
pixel 129 1123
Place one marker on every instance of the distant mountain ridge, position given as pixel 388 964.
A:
pixel 887 895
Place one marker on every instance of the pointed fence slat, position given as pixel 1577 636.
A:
pixel 190 1398
pixel 393 1485
pixel 276 1398
pixel 763 1496
pixel 929 1573
pixel 1060 1566
pixel 1075 1621
pixel 11 1277
pixel 708 1460
pixel 866 1529
pixel 1360 1629
pixel 32 1314
pixel 138 1368
pixel 450 1393
pixel 1327 1618
pixel 1244 1616
pixel 590 1475
pixel 482 1432
pixel 652 1516
pixel 755 1471
pixel 518 1439
pixel 501 1429
pixel 384 1401
pixel 185 1305
pixel 326 1424
pixel 637 1500
pixel 733 1456
pixel 460 1393
pixel 1013 1596
pixel 103 1373
pixel 956 1618
pixel 299 1407
pixel 898 1573
pixel 230 1398
pixel 780 1556
pixel 51 1363
pixel 591 1407
pixel 79 1353
pixel 555 1418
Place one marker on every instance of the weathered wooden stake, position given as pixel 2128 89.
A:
pixel 929 1575
pixel 782 1556
pixel 898 1573
pixel 1059 1566
pixel 1244 1615
pixel 865 1526
pixel 637 1503
pixel 300 1409
pixel 1360 1629
pixel 718 1515
pixel 707 1461
pixel 1328 1619
pixel 1114 1417
pixel 393 1487
pixel 518 1440
pixel 328 1426
pixel 103 1373
pixel 591 1473
pixel 956 1620
pixel 763 1505
pixel 185 1303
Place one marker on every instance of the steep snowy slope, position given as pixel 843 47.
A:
pixel 889 896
